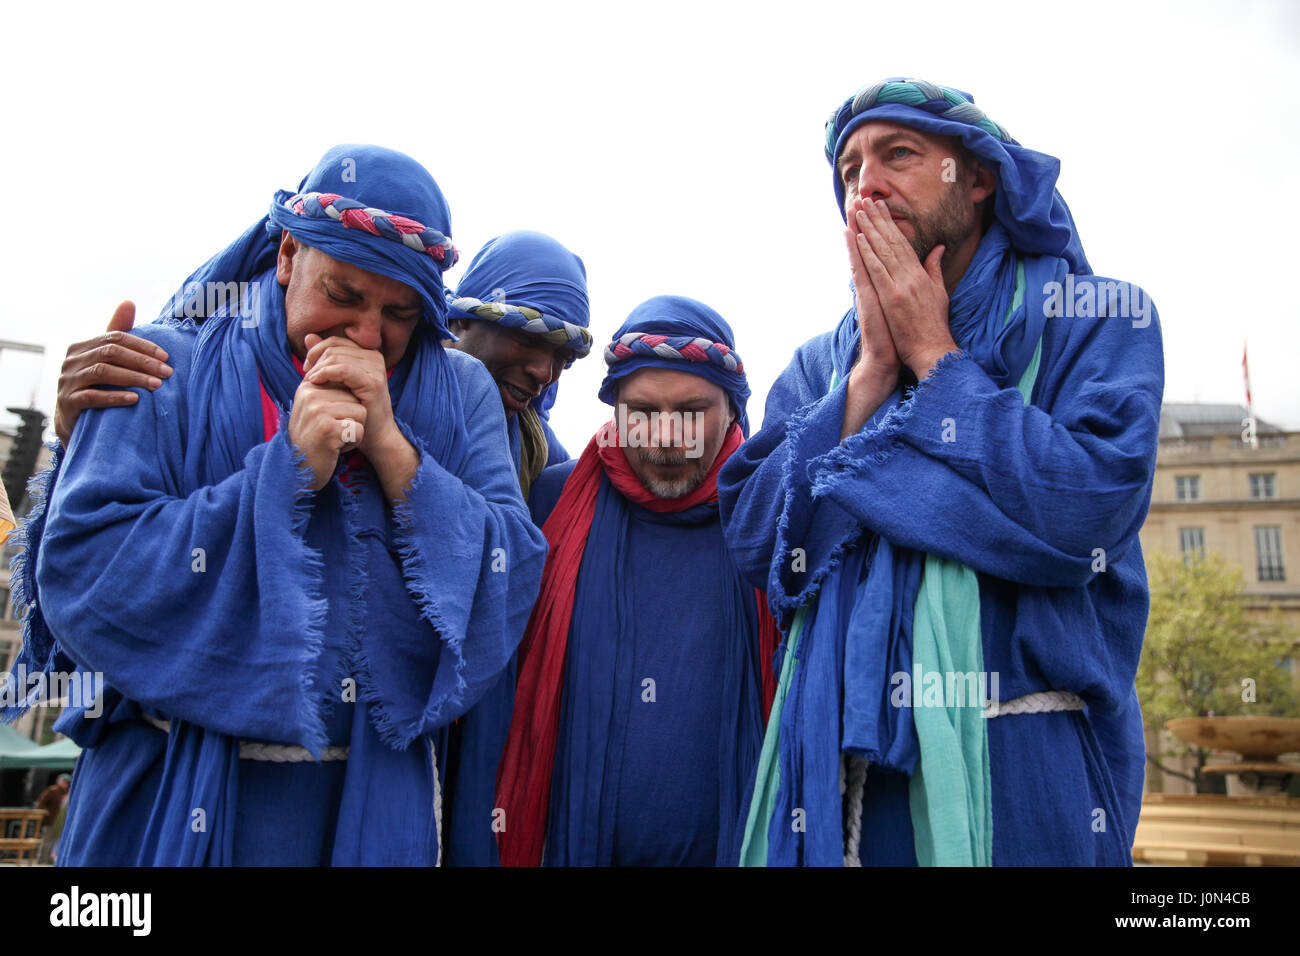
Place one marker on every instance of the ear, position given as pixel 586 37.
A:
pixel 984 185
pixel 284 258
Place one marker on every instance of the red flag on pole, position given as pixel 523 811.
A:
pixel 1245 374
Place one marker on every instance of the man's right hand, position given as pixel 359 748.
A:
pixel 874 375
pixel 114 358
pixel 325 422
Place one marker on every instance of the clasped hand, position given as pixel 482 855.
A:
pixel 342 405
pixel 902 303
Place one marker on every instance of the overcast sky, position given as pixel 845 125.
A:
pixel 676 147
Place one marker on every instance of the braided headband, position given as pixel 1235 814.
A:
pixel 681 347
pixel 377 222
pixel 943 102
pixel 554 330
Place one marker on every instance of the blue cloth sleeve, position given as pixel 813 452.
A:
pixel 783 539
pixel 137 579
pixel 964 469
pixel 471 556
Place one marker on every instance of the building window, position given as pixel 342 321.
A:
pixel 1263 486
pixel 1188 487
pixel 1191 543
pixel 1268 552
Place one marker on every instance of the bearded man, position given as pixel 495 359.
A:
pixel 641 695
pixel 944 505
pixel 329 558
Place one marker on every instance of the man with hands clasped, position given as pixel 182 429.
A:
pixel 296 563
pixel 943 505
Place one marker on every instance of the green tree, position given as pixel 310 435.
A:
pixel 1206 654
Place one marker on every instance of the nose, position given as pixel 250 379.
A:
pixel 871 182
pixel 367 328
pixel 540 367
pixel 668 425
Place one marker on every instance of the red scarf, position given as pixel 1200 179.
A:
pixel 524 775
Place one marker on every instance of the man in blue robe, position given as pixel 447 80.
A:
pixel 943 504
pixel 639 708
pixel 329 556
pixel 521 308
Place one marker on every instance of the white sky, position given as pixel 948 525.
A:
pixel 676 147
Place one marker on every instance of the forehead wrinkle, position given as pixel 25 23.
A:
pixel 410 299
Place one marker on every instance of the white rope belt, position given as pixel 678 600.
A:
pixel 275 753
pixel 853 769
pixel 1044 702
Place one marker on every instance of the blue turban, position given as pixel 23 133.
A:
pixel 674 332
pixel 526 280
pixel 375 208
pixel 1026 202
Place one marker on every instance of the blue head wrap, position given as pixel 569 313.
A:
pixel 674 332
pixel 375 208
pixel 526 280
pixel 1026 202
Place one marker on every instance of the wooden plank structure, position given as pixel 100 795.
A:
pixel 20 833
pixel 1212 830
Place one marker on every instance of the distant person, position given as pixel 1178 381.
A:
pixel 52 800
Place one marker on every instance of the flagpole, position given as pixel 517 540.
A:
pixel 1250 432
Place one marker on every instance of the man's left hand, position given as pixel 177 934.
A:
pixel 339 361
pixel 912 295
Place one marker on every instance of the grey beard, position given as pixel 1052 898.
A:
pixel 670 489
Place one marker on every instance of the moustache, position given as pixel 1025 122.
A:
pixel 662 456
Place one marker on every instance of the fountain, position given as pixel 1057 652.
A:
pixel 1256 824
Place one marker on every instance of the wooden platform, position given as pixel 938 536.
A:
pixel 1211 830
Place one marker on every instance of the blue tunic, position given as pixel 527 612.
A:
pixel 1031 497
pixel 405 634
pixel 660 721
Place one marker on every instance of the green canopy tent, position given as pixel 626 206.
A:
pixel 18 752
pixel 12 746
pixel 60 755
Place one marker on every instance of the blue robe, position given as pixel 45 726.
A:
pixel 376 651
pixel 470 749
pixel 661 719
pixel 1024 495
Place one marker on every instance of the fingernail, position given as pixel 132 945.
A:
pixel 154 382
